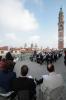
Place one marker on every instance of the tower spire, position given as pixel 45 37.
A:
pixel 61 29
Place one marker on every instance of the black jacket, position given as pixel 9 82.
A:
pixel 25 83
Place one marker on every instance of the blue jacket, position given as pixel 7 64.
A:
pixel 6 79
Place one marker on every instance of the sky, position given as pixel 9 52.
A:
pixel 31 21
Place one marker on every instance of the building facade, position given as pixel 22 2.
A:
pixel 3 50
pixel 61 30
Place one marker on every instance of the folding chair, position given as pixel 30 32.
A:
pixel 58 93
pixel 6 96
pixel 24 95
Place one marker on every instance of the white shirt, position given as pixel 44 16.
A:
pixel 51 81
pixel 26 76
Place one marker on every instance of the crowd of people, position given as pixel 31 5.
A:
pixel 48 57
pixel 9 81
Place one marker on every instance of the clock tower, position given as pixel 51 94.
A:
pixel 61 30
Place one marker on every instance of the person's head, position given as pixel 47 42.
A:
pixel 24 70
pixel 8 56
pixel 3 65
pixel 50 68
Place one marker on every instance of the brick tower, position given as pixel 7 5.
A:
pixel 61 30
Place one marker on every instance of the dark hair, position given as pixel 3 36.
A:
pixel 9 56
pixel 50 68
pixel 24 70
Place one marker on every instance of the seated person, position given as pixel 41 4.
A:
pixel 6 78
pixel 52 80
pixel 25 83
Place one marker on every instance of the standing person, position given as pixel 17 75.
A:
pixel 9 58
pixel 25 83
pixel 52 80
pixel 0 58
pixel 47 58
pixel 41 58
pixel 65 57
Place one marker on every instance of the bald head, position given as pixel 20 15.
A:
pixel 50 68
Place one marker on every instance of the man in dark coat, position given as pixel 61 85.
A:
pixel 25 83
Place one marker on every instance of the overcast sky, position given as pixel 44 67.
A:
pixel 30 21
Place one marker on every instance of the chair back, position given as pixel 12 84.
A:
pixel 58 93
pixel 23 95
pixel 6 96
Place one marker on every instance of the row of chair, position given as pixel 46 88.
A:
pixel 56 94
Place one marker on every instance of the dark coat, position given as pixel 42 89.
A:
pixel 6 78
pixel 25 83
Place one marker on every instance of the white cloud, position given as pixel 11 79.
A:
pixel 11 36
pixel 12 39
pixel 50 42
pixel 15 18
